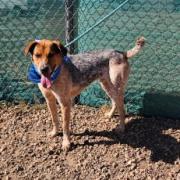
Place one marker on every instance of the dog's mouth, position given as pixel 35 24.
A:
pixel 46 79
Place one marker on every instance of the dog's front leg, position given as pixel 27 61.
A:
pixel 53 110
pixel 51 103
pixel 65 109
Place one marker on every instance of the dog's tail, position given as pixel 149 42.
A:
pixel 138 46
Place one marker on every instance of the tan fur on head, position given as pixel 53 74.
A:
pixel 46 52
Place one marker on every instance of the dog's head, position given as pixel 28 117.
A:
pixel 47 55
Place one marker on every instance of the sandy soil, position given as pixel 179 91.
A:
pixel 148 149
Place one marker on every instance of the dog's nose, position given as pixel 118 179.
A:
pixel 44 69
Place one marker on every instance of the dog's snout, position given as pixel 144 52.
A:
pixel 44 69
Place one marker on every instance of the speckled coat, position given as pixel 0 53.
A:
pixel 87 67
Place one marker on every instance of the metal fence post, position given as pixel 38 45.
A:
pixel 70 31
pixel 69 9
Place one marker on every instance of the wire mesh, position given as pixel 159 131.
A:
pixel 21 21
pixel 153 86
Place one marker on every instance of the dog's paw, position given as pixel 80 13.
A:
pixel 53 133
pixel 66 145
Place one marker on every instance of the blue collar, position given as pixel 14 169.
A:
pixel 35 77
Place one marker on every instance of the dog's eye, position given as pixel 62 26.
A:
pixel 38 55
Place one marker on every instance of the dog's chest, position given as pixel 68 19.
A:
pixel 86 68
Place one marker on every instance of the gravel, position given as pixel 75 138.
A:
pixel 148 149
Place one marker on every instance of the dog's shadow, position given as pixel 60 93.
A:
pixel 148 132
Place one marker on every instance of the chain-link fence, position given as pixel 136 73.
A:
pixel 154 83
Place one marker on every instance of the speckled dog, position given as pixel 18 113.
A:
pixel 74 73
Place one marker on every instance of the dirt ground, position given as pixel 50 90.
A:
pixel 148 149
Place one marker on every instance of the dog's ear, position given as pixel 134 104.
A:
pixel 58 46
pixel 29 48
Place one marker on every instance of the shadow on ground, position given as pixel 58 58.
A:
pixel 145 132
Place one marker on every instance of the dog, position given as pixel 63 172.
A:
pixel 61 77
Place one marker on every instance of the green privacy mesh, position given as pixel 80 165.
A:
pixel 154 82
pixel 21 21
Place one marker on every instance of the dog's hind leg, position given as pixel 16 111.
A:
pixel 121 111
pixel 119 75
pixel 117 100
pixel 113 108
pixel 107 87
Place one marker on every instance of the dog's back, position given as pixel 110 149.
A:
pixel 89 66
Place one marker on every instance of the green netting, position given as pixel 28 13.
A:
pixel 154 83
pixel 21 21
